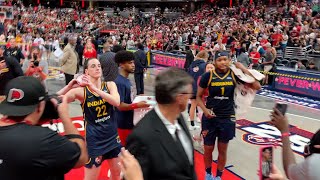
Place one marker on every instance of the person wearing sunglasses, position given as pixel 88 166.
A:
pixel 307 169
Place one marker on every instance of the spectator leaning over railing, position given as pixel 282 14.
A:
pixel 270 56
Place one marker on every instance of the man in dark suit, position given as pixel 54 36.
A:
pixel 140 62
pixel 161 141
pixel 191 53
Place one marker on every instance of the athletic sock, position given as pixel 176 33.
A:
pixel 208 170
pixel 219 173
pixel 192 123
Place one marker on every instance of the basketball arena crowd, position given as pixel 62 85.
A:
pixel 96 49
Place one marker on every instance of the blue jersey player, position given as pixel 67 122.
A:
pixel 97 100
pixel 218 121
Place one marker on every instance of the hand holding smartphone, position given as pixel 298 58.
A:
pixel 282 107
pixel 278 118
pixel 265 162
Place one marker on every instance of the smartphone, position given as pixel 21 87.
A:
pixel 282 107
pixel 265 162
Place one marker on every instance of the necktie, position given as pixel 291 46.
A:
pixel 178 142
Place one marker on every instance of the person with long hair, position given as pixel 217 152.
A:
pixel 89 51
pixel 97 100
pixel 196 69
pixel 218 120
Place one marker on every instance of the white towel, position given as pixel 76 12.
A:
pixel 243 95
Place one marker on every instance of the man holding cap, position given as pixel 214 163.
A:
pixel 9 69
pixel 29 151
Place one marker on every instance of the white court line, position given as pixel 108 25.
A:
pixel 289 102
pixel 312 119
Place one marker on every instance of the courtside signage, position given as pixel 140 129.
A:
pixel 298 100
pixel 264 133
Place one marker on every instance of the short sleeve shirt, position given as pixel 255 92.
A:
pixel 34 152
pixel 125 89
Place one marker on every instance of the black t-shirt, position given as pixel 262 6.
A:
pixel 15 52
pixel 12 71
pixel 34 152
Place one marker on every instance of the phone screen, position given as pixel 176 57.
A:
pixel 282 107
pixel 266 160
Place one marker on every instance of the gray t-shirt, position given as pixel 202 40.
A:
pixel 269 56
pixel 244 59
pixel 306 170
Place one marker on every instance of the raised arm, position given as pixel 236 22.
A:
pixel 255 85
pixel 74 94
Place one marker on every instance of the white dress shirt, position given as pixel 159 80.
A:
pixel 172 128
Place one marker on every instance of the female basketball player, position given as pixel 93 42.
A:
pixel 97 99
pixel 218 120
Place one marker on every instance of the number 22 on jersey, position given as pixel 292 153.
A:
pixel 102 111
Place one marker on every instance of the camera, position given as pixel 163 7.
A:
pixel 36 63
pixel 50 111
pixel 35 60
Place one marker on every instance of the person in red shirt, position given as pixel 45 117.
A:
pixel 255 57
pixel 284 23
pixel 294 33
pixel 264 42
pixel 276 38
pixel 89 52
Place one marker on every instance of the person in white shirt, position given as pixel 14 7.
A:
pixel 39 41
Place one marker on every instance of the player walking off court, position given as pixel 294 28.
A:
pixel 218 120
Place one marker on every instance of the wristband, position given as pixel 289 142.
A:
pixel 74 136
pixel 134 105
pixel 285 134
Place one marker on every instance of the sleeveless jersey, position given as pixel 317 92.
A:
pixel 100 126
pixel 221 92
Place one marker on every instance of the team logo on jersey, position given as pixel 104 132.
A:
pixel 98 160
pixel 15 95
pixel 266 134
pixel 195 69
pixel 243 93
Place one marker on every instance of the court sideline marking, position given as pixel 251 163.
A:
pixel 312 119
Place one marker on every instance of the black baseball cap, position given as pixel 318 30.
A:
pixel 23 94
pixel 221 54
